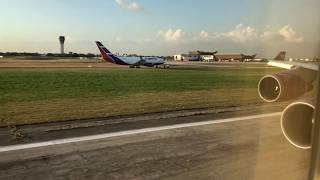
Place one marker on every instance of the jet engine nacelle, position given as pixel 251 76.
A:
pixel 297 122
pixel 285 85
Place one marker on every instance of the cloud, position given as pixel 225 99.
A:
pixel 172 35
pixel 130 5
pixel 290 35
pixel 204 35
pixel 147 40
pixel 268 35
pixel 143 40
pixel 286 34
pixel 118 39
pixel 240 34
pixel 243 34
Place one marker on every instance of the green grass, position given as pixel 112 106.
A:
pixel 41 95
pixel 29 85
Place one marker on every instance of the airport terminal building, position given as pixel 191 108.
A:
pixel 213 56
pixel 196 56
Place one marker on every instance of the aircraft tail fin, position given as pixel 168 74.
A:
pixel 281 56
pixel 105 53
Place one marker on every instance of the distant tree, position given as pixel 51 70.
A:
pixel 90 55
pixel 75 55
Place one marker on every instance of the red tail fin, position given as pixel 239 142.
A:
pixel 105 53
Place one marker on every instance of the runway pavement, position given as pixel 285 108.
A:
pixel 49 64
pixel 250 147
pixel 99 64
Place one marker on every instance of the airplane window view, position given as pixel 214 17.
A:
pixel 145 89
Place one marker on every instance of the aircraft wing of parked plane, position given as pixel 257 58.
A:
pixel 135 61
pixel 298 117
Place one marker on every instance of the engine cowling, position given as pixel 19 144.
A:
pixel 297 121
pixel 285 85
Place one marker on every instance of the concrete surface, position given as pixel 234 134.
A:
pixel 251 149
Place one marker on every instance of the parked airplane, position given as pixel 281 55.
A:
pixel 297 119
pixel 281 56
pixel 247 58
pixel 132 62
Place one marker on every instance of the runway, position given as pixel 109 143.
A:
pixel 55 64
pixel 76 63
pixel 126 133
pixel 250 147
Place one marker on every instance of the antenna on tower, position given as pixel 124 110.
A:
pixel 62 39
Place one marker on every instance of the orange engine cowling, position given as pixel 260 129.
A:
pixel 297 122
pixel 285 85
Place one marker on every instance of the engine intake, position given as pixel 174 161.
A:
pixel 297 122
pixel 285 85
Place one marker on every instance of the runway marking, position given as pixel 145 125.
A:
pixel 129 132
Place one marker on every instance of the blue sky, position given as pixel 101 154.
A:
pixel 163 27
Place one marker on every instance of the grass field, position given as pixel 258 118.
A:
pixel 46 95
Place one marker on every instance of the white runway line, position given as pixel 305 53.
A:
pixel 128 132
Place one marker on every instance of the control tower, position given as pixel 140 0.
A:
pixel 61 40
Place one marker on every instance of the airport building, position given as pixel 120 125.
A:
pixel 203 56
pixel 229 57
pixel 179 57
pixel 235 57
pixel 196 56
pixel 213 56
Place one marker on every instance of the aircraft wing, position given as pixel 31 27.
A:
pixel 297 118
pixel 141 62
pixel 292 65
